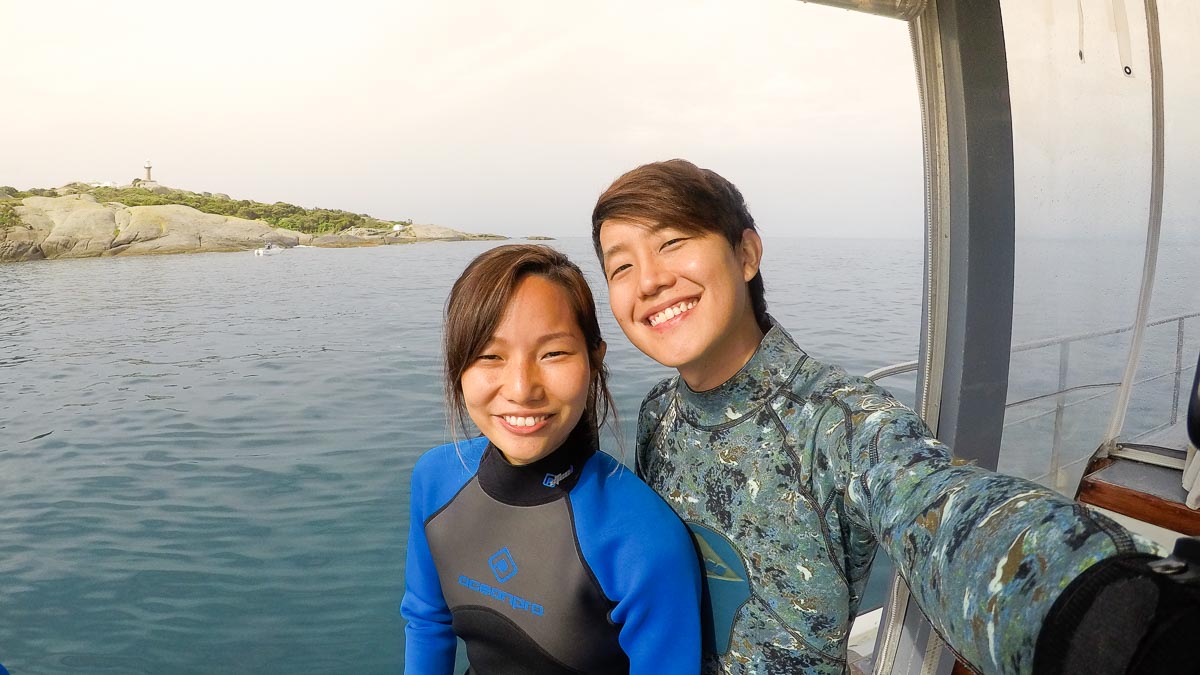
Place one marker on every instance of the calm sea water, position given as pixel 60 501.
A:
pixel 204 459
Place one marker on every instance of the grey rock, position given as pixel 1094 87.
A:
pixel 300 238
pixel 76 226
pixel 69 227
pixel 341 241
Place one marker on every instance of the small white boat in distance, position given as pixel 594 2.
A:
pixel 269 249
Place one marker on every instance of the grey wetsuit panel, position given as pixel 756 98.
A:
pixel 519 570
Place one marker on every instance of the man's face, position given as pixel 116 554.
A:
pixel 682 298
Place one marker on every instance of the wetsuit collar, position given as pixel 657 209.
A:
pixel 543 481
pixel 773 365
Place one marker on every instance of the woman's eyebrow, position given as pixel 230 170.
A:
pixel 497 339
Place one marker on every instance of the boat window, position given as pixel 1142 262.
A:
pixel 1083 154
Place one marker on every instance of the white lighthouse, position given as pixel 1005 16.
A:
pixel 147 182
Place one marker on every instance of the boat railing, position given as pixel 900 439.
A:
pixel 1060 395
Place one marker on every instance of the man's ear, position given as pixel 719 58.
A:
pixel 750 254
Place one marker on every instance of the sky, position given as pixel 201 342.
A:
pixel 482 116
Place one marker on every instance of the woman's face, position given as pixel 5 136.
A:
pixel 528 388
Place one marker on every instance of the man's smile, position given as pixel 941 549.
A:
pixel 671 312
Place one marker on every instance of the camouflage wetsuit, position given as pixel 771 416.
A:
pixel 789 474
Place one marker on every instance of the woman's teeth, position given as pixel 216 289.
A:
pixel 514 421
pixel 672 312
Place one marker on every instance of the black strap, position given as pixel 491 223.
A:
pixel 1133 613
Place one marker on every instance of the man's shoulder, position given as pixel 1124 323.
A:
pixel 827 384
pixel 808 377
pixel 863 403
pixel 659 397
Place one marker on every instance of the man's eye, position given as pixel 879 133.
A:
pixel 672 243
pixel 617 271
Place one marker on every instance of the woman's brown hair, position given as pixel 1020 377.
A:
pixel 477 303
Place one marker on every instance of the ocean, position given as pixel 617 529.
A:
pixel 204 459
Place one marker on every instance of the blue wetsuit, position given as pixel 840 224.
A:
pixel 567 565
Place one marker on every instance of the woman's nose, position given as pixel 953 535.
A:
pixel 523 383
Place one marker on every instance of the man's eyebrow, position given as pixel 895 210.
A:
pixel 615 248
pixel 651 228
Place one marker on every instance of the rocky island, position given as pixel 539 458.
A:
pixel 81 221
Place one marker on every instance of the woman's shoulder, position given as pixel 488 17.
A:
pixel 627 496
pixel 618 514
pixel 441 472
pixel 450 459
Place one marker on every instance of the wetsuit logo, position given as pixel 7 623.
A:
pixel 515 601
pixel 503 568
pixel 502 564
pixel 726 587
pixel 552 480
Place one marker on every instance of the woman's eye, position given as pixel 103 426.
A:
pixel 550 355
pixel 487 357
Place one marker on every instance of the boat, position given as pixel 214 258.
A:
pixel 1043 118
pixel 269 249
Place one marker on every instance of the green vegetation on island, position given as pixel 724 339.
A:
pixel 8 216
pixel 315 221
pixel 79 220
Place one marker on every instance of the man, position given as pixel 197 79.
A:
pixel 789 472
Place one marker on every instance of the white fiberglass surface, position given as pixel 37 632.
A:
pixel 1079 74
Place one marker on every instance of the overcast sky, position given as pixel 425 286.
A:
pixel 483 116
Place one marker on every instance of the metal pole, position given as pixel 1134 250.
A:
pixel 1152 231
pixel 1064 357
pixel 1178 373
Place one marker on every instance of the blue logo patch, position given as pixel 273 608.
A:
pixel 726 587
pixel 503 565
pixel 552 480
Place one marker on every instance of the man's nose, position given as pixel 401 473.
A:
pixel 653 278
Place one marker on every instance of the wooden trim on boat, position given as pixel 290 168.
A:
pixel 1146 492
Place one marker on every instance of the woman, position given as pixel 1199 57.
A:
pixel 543 554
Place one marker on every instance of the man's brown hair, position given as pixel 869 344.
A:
pixel 681 195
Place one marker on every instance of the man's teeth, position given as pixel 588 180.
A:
pixel 516 421
pixel 671 312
